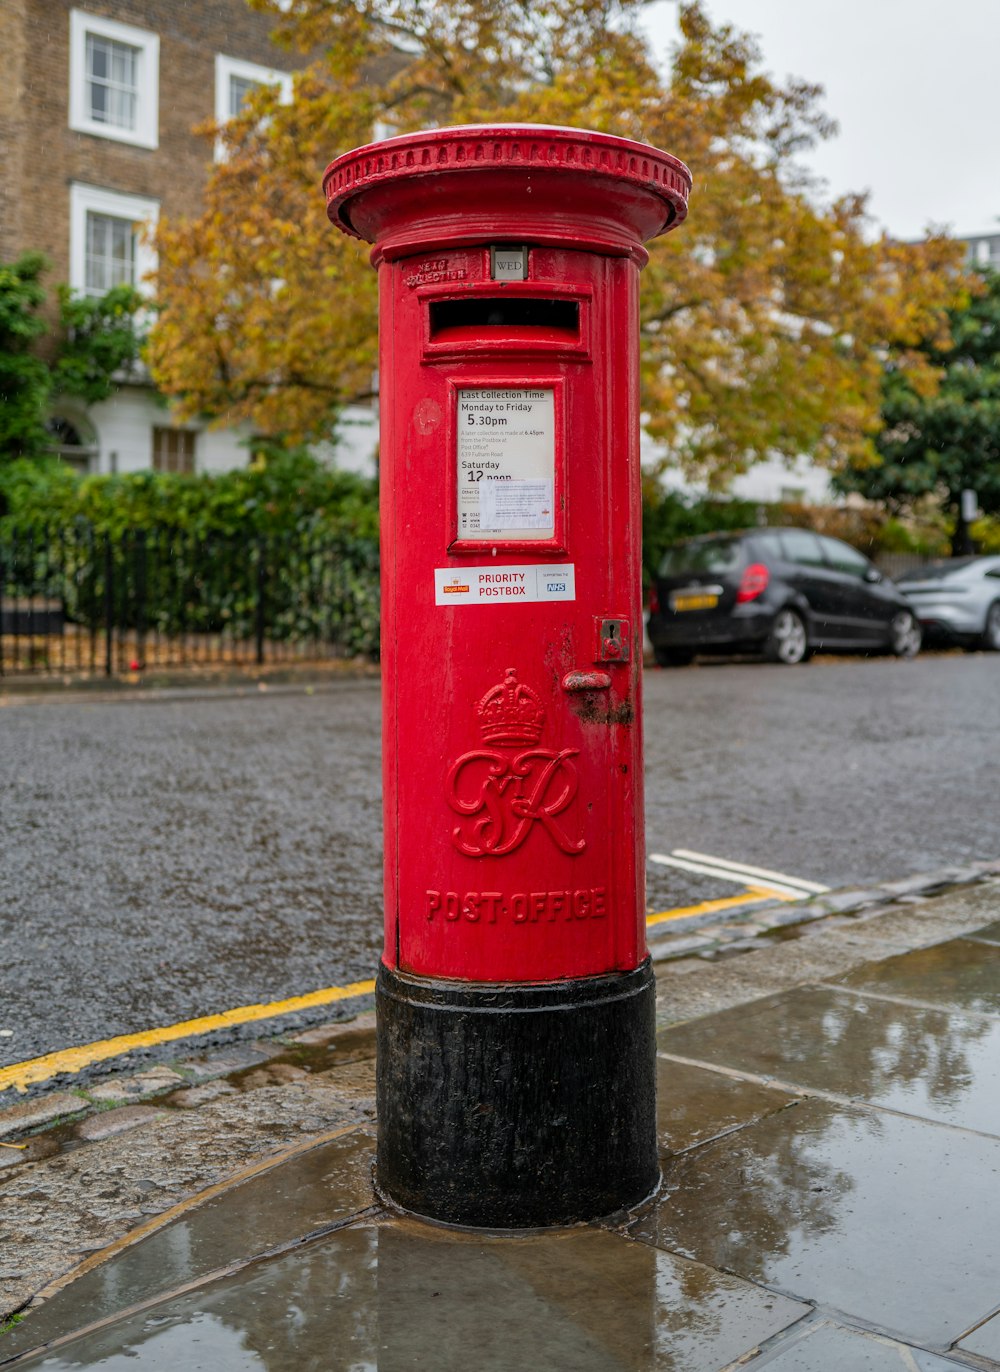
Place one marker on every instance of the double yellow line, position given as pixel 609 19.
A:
pixel 21 1075
pixel 752 896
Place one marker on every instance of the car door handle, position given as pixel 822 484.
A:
pixel 586 681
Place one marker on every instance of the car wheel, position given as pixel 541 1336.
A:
pixel 991 632
pixel 673 657
pixel 787 642
pixel 905 635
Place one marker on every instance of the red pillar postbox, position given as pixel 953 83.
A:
pixel 515 999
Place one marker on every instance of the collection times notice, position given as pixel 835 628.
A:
pixel 506 463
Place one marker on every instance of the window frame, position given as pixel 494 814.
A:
pixel 227 67
pixel 136 209
pixel 146 133
pixel 174 431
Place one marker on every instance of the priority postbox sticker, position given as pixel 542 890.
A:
pixel 495 585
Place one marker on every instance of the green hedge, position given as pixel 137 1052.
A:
pixel 285 545
pixel 288 493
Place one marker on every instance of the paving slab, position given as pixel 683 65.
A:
pixel 109 1122
pixel 887 1221
pixel 398 1295
pixel 828 1347
pixel 899 930
pixel 856 1208
pixel 960 974
pixel 926 1062
pixel 231 1059
pixel 136 1086
pixel 991 934
pixel 961 904
pixel 283 1204
pixel 984 1341
pixel 694 1105
pixel 53 1208
pixel 29 1114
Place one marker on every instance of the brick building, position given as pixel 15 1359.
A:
pixel 98 100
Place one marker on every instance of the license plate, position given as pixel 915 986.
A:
pixel 701 601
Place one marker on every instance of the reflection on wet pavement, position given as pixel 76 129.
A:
pixel 991 934
pixel 923 1062
pixel 878 1204
pixel 827 1348
pixel 959 974
pixel 398 1295
pixel 888 1220
pixel 316 1189
pixel 693 1106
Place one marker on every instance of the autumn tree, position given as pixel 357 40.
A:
pixel 946 441
pixel 762 317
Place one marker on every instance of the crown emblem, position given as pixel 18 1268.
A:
pixel 511 712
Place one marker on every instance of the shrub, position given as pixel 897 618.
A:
pixel 285 543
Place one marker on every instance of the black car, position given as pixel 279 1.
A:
pixel 781 592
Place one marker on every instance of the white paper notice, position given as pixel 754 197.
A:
pixel 495 585
pixel 507 505
pixel 506 463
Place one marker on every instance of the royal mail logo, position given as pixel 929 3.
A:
pixel 503 795
pixel 455 588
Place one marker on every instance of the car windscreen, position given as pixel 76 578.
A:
pixel 715 555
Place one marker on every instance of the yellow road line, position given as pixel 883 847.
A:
pixel 21 1075
pixel 752 896
pixel 24 1074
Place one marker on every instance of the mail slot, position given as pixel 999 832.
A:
pixel 515 996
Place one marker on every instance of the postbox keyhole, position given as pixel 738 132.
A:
pixel 612 640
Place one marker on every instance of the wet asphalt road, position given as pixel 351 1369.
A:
pixel 174 856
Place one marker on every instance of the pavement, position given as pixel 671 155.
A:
pixel 829 1131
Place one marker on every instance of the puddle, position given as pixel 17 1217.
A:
pixel 960 974
pixel 893 1222
pixel 828 1348
pixel 396 1295
pixel 932 1063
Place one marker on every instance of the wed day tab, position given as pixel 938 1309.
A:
pixel 495 585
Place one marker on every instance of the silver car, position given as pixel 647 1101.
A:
pixel 957 601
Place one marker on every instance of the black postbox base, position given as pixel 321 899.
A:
pixel 512 1107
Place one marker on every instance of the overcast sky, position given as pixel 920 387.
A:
pixel 913 85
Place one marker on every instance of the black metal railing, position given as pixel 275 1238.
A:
pixel 77 602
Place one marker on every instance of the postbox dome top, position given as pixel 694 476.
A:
pixel 506 182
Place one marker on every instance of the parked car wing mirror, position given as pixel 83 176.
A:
pixel 873 575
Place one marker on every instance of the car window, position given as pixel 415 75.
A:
pixel 843 557
pixel 712 555
pixel 993 571
pixel 802 547
pixel 767 545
